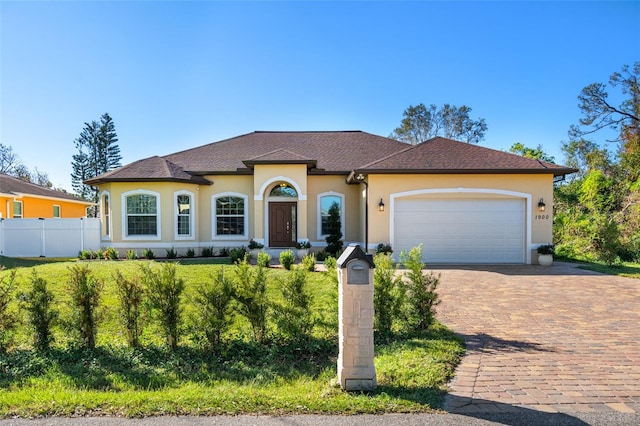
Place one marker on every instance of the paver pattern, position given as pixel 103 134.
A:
pixel 556 339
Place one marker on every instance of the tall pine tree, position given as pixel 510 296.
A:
pixel 98 152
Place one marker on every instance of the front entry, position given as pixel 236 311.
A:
pixel 282 224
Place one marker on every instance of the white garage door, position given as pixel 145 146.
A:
pixel 461 231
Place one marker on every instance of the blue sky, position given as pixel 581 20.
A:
pixel 175 75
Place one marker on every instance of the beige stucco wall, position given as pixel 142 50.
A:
pixel 256 188
pixel 388 187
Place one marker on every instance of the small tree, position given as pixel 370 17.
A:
pixel 294 317
pixel 131 297
pixel 85 292
pixel 251 294
pixel 421 290
pixel 41 315
pixel 164 292
pixel 8 318
pixel 334 226
pixel 388 294
pixel 213 303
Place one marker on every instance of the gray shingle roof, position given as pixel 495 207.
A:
pixel 338 152
pixel 12 185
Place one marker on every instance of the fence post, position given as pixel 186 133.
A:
pixel 2 236
pixel 43 245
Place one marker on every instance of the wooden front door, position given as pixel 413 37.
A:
pixel 282 224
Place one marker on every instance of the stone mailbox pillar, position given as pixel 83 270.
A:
pixel 356 371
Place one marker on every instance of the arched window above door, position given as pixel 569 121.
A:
pixel 283 190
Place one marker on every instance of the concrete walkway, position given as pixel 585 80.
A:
pixel 554 340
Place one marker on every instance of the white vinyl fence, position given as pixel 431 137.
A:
pixel 48 237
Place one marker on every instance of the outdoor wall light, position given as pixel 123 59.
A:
pixel 541 205
pixel 381 206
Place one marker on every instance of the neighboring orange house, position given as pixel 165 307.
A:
pixel 20 199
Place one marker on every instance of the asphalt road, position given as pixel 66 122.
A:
pixel 529 417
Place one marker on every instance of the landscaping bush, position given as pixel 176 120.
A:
pixel 388 295
pixel 130 298
pixel 421 290
pixel 191 253
pixel 293 316
pixel 251 295
pixel 148 254
pixel 41 315
pixel 309 262
pixel 287 258
pixel 110 253
pixel 85 291
pixel 8 318
pixel 207 252
pixel 237 254
pixel 164 291
pixel 223 252
pixel 384 249
pixel 171 253
pixel 264 259
pixel 131 254
pixel 213 306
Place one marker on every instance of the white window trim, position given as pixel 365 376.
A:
pixel 320 235
pixel 54 211
pixel 106 236
pixel 192 200
pixel 214 217
pixel 124 216
pixel 21 209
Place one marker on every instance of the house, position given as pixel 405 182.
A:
pixel 20 199
pixel 465 203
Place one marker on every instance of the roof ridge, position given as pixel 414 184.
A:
pixel 410 147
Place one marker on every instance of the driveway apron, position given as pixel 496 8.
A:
pixel 555 339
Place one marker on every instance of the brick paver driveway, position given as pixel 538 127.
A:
pixel 557 339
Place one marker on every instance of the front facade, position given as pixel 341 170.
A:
pixel 464 203
pixel 24 200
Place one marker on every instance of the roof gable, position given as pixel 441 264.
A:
pixel 15 186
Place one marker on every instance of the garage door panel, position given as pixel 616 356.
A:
pixel 462 231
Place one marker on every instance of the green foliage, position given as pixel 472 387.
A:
pixel 190 253
pixel 264 259
pixel 334 227
pixel 130 298
pixel 422 297
pixel 254 245
pixel 309 262
pixel 148 254
pixel 388 295
pixel 293 316
pixel 85 291
pixel 41 315
pixel 164 290
pixel 528 152
pixel 223 252
pixel 110 253
pixel 596 193
pixel 213 308
pixel 171 253
pixel 421 123
pixel 8 318
pixel 287 258
pixel 237 254
pixel 131 255
pixel 606 239
pixel 207 252
pixel 384 249
pixel 251 295
pixel 546 249
pixel 306 244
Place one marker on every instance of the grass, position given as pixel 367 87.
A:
pixel 627 269
pixel 239 377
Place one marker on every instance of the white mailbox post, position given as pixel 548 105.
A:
pixel 356 371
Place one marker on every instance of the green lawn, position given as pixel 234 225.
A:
pixel 628 269
pixel 239 377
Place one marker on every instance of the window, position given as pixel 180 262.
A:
pixel 325 201
pixel 184 217
pixel 230 215
pixel 141 215
pixel 17 209
pixel 283 190
pixel 106 216
pixel 56 211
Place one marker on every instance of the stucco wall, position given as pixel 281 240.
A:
pixel 33 208
pixel 537 186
